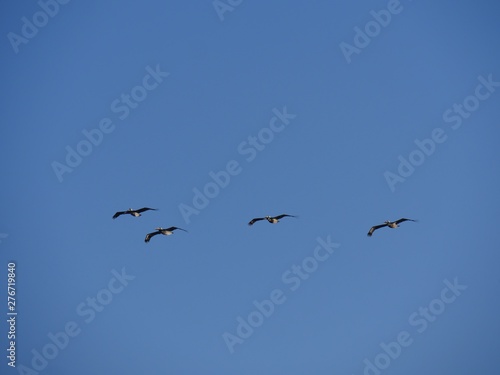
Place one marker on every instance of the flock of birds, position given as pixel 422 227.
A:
pixel 270 219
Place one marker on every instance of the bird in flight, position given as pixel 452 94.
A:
pixel 132 212
pixel 165 232
pixel 271 219
pixel 390 224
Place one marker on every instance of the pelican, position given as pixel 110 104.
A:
pixel 132 212
pixel 160 230
pixel 387 223
pixel 271 219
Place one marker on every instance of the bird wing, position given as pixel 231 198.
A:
pixel 374 228
pixel 251 222
pixel 145 209
pixel 149 235
pixel 282 216
pixel 118 214
pixel 403 219
pixel 174 228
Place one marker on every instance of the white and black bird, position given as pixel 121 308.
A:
pixel 164 231
pixel 132 212
pixel 271 219
pixel 390 224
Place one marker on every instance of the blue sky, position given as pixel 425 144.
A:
pixel 264 91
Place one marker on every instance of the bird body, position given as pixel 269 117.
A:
pixel 135 213
pixel 164 231
pixel 387 223
pixel 271 219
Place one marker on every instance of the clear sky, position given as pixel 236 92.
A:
pixel 345 114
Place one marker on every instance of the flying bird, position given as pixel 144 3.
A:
pixel 390 224
pixel 165 232
pixel 271 219
pixel 132 212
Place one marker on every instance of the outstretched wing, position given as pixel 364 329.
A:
pixel 149 235
pixel 403 219
pixel 374 228
pixel 118 214
pixel 251 222
pixel 174 228
pixel 145 209
pixel 282 216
